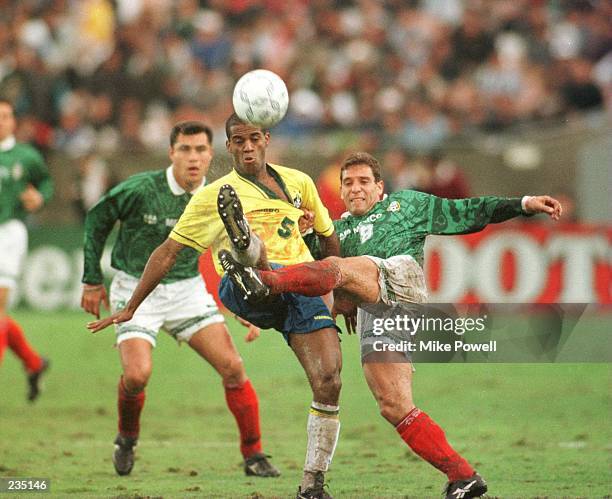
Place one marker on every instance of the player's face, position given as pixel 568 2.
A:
pixel 247 145
pixel 191 156
pixel 359 191
pixel 7 121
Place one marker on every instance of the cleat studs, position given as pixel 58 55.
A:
pixel 232 193
pixel 221 205
pixel 224 214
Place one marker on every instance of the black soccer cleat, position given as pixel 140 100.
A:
pixel 258 465
pixel 123 457
pixel 232 216
pixel 463 489
pixel 34 380
pixel 244 278
pixel 317 491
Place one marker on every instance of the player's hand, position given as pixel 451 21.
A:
pixel 348 309
pixel 118 317
pixel 92 296
pixel 544 204
pixel 253 332
pixel 31 199
pixel 306 221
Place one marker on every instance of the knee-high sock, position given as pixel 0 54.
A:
pixel 427 440
pixel 129 407
pixel 250 256
pixel 323 429
pixel 3 339
pixel 243 404
pixel 309 279
pixel 17 342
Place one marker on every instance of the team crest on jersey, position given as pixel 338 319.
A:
pixel 149 219
pixel 297 200
pixel 17 171
pixel 393 206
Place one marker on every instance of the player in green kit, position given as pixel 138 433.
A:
pixel 382 244
pixel 25 185
pixel 148 205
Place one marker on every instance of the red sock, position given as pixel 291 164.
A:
pixel 3 339
pixel 129 407
pixel 242 402
pixel 17 342
pixel 427 440
pixel 309 279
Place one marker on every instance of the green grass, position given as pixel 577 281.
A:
pixel 531 430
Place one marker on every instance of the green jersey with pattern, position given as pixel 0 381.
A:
pixel 147 210
pixel 399 224
pixel 19 166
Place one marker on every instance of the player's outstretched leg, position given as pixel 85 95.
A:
pixel 246 279
pixel 232 216
pixel 471 487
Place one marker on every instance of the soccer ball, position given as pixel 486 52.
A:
pixel 260 98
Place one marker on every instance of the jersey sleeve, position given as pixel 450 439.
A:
pixel 39 175
pixel 99 222
pixel 199 223
pixel 463 216
pixel 323 224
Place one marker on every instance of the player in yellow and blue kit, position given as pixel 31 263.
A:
pixel 273 198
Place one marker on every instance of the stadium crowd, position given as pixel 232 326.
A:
pixel 117 74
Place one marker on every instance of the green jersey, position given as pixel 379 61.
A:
pixel 399 224
pixel 20 165
pixel 147 209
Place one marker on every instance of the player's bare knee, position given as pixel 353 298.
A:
pixel 135 379
pixel 232 372
pixel 326 387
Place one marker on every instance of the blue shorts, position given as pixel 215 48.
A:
pixel 287 312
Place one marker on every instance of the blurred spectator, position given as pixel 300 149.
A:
pixel 328 185
pixel 442 177
pixel 416 73
pixel 92 181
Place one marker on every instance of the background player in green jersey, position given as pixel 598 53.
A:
pixel 147 206
pixel 382 245
pixel 25 185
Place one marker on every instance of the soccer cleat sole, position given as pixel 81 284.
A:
pixel 244 278
pixel 232 216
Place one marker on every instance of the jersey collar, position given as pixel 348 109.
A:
pixel 277 178
pixel 175 188
pixel 8 143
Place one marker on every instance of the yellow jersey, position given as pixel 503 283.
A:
pixel 274 220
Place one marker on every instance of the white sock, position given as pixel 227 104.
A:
pixel 249 256
pixel 323 429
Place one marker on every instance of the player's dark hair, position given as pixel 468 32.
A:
pixel 7 102
pixel 362 158
pixel 190 128
pixel 234 120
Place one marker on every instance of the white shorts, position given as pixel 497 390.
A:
pixel 401 279
pixel 13 249
pixel 181 308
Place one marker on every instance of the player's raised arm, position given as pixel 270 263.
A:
pixel 159 264
pixel 463 216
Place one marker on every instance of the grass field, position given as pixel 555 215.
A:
pixel 531 430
